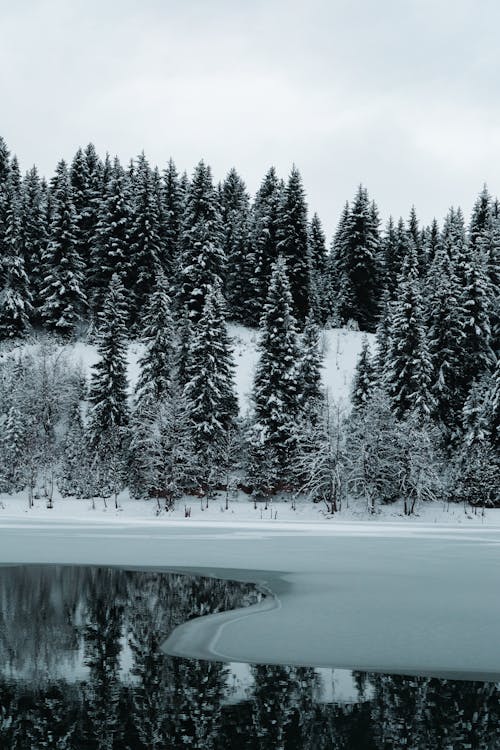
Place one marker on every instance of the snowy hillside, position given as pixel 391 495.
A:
pixel 340 346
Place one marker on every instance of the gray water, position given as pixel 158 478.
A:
pixel 81 667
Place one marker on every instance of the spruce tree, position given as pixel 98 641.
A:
pixel 110 249
pixel 172 224
pixel 446 341
pixel 293 244
pixel 431 240
pixel 75 462
pixel 396 247
pixel 475 413
pixel 364 377
pixel 157 363
pixel 108 387
pixel 109 413
pixel 264 238
pixel 480 219
pixel 478 355
pixel 203 260
pixel 63 300
pixel 210 393
pixel 4 163
pixel 86 185
pixel 320 288
pixel 276 389
pixel 240 282
pixel 145 241
pixel 33 235
pixel 493 402
pixel 15 295
pixel 342 294
pixel 409 369
pixel 309 372
pixel 358 259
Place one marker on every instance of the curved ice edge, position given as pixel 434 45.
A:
pixel 200 637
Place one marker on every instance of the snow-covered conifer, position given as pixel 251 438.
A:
pixel 409 368
pixel 309 371
pixel 62 297
pixel 157 362
pixel 15 295
pixel 264 238
pixel 108 397
pixel 240 276
pixel 203 260
pixel 276 390
pixel 293 244
pixel 145 247
pixel 210 394
pixel 110 248
pixel 364 377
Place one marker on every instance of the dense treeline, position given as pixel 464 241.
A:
pixel 114 253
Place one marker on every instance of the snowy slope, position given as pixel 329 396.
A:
pixel 341 349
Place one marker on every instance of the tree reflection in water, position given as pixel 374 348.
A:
pixel 81 669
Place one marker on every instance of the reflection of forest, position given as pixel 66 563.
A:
pixel 81 669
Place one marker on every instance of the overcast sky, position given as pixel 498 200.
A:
pixel 402 95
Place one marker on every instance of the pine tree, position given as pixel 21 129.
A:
pixel 210 393
pixel 478 355
pixel 364 377
pixel 62 295
pixel 276 391
pixel 309 371
pixel 4 163
pixel 110 249
pixel 383 342
pixel 409 369
pixel 33 235
pixel 86 177
pixel 396 246
pixel 203 261
pixel 108 386
pixel 75 462
pixel 15 295
pixel 162 462
pixel 446 341
pixel 240 280
pixel 342 294
pixel 145 241
pixel 481 219
pixel 475 413
pixel 358 259
pixel 320 289
pixel 493 402
pixel 13 447
pixel 264 238
pixel 454 241
pixel 415 237
pixel 157 363
pixel 293 244
pixel 431 241
pixel 173 210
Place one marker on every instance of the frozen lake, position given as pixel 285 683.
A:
pixel 410 599
pixel 81 667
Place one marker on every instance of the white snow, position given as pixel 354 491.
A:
pixel 341 350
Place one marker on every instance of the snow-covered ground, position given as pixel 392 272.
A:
pixel 241 511
pixel 341 349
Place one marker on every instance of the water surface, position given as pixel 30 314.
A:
pixel 81 668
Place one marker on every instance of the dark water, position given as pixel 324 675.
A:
pixel 81 668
